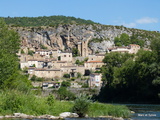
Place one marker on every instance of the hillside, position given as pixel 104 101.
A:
pixel 44 21
pixel 60 32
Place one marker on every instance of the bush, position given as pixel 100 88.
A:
pixel 30 52
pixel 66 75
pixel 65 84
pixel 50 100
pixel 42 46
pixel 81 106
pixel 35 78
pixel 79 74
pixel 64 94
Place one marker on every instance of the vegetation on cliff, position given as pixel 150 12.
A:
pixel 125 40
pixel 44 21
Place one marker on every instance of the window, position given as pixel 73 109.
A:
pixel 97 80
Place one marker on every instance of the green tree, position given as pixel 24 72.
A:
pixel 155 46
pixel 9 45
pixel 10 76
pixel 131 79
pixel 122 40
pixel 75 52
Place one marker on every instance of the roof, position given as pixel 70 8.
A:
pixel 66 52
pixel 61 61
pixel 100 54
pixel 68 66
pixel 32 60
pixel 95 74
pixel 31 68
pixel 94 62
pixel 42 69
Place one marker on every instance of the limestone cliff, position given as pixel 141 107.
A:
pixel 65 37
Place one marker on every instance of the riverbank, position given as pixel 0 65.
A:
pixel 65 115
pixel 32 105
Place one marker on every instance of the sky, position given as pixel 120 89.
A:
pixel 140 14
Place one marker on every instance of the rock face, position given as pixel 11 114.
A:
pixel 65 37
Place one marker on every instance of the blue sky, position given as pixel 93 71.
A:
pixel 141 14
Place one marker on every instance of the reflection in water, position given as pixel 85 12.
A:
pixel 145 111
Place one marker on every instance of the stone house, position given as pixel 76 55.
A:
pixel 96 57
pixel 93 65
pixel 32 63
pixel 47 73
pixel 58 64
pixel 132 49
pixel 119 49
pixel 31 71
pixel 95 80
pixel 24 65
pixel 72 70
pixel 66 56
pixel 43 52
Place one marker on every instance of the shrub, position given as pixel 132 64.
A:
pixel 65 84
pixel 50 100
pixel 66 75
pixel 81 105
pixel 42 46
pixel 79 74
pixel 30 52
pixel 35 78
pixel 64 94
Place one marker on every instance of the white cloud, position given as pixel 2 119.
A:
pixel 138 22
pixel 147 20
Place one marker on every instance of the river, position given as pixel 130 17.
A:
pixel 144 111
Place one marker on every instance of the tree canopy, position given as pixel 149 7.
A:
pixel 10 76
pixel 131 78
pixel 44 21
pixel 125 40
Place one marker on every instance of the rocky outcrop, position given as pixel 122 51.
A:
pixel 65 37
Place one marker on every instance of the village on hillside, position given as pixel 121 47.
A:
pixel 54 65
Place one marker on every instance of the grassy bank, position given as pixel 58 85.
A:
pixel 28 103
